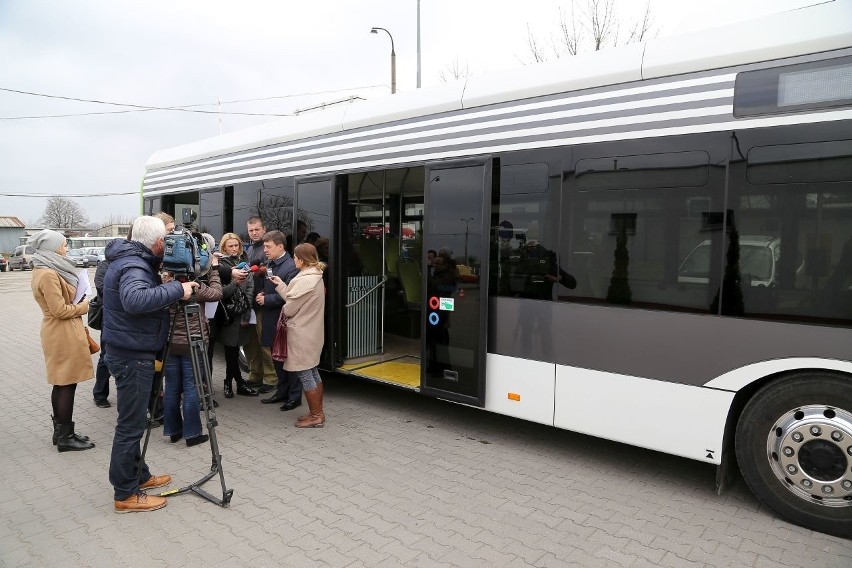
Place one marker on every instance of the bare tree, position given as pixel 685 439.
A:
pixel 535 48
pixel 592 27
pixel 117 219
pixel 455 72
pixel 62 213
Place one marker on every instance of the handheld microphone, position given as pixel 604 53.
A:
pixel 242 266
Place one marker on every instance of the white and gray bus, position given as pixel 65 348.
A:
pixel 651 244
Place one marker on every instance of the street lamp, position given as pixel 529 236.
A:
pixel 418 44
pixel 466 232
pixel 393 58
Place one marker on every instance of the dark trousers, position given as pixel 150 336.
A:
pixel 101 389
pixel 289 385
pixel 134 379
pixel 232 363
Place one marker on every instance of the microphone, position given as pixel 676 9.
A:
pixel 242 266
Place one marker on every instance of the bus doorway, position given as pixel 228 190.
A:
pixel 382 265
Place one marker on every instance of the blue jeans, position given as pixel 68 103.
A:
pixel 134 379
pixel 101 389
pixel 181 381
pixel 309 378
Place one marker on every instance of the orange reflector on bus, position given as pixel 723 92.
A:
pixel 514 396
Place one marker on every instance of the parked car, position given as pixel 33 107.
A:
pixel 21 259
pixel 79 257
pixel 96 252
pixel 759 256
pixel 3 263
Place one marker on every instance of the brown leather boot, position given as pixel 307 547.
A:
pixel 316 418
pixel 308 415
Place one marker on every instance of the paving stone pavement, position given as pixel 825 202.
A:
pixel 394 479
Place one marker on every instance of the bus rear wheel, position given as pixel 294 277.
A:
pixel 794 449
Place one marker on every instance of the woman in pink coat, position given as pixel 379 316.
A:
pixel 304 308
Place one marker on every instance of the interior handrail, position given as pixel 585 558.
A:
pixel 368 292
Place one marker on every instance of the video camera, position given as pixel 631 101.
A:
pixel 186 255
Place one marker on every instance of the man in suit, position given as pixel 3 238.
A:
pixel 289 389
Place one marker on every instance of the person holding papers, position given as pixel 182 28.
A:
pixel 67 359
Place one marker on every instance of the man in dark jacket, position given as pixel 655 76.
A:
pixel 260 369
pixel 100 391
pixel 289 389
pixel 135 330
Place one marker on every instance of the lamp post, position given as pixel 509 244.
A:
pixel 466 232
pixel 375 30
pixel 418 44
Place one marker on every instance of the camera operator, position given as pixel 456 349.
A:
pixel 135 328
pixel 180 390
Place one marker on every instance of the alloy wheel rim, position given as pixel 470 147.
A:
pixel 810 451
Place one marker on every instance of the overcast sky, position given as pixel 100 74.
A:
pixel 294 54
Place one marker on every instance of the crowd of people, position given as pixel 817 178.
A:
pixel 259 295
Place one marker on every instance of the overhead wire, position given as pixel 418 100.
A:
pixel 133 107
pixel 42 195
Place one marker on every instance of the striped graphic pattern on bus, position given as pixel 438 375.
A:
pixel 658 108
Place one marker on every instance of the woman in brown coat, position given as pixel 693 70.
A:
pixel 304 308
pixel 63 334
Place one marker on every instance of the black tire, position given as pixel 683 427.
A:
pixel 804 475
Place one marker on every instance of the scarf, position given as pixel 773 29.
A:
pixel 64 266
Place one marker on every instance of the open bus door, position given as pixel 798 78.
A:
pixel 314 215
pixel 456 221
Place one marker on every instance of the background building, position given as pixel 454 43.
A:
pixel 11 231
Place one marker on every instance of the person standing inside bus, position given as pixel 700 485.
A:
pixel 304 308
pixel 289 390
pixel 260 368
pixel 67 359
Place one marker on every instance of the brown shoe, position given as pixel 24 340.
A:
pixel 156 481
pixel 140 503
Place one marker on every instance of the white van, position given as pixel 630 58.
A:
pixel 758 262
pixel 21 259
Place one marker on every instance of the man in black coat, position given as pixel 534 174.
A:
pixel 289 389
pixel 261 372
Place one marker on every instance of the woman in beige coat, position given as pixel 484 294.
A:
pixel 304 308
pixel 63 334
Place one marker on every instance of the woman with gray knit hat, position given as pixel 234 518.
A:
pixel 63 335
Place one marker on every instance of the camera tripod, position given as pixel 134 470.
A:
pixel 201 372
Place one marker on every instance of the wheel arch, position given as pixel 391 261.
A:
pixel 728 466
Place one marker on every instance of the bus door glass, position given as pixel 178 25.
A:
pixel 455 239
pixel 313 225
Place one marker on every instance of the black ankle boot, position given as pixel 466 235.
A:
pixel 243 389
pixel 229 388
pixel 56 432
pixel 67 441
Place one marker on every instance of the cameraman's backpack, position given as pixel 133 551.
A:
pixel 185 254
